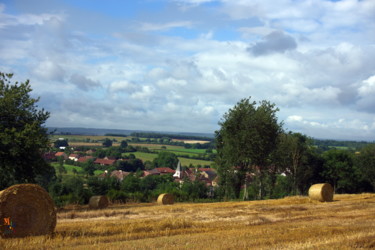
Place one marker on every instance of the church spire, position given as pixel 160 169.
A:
pixel 178 173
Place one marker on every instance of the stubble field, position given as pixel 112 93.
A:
pixel 290 223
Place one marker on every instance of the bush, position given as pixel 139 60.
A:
pixel 117 196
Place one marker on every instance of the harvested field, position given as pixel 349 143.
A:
pixel 291 223
pixel 190 141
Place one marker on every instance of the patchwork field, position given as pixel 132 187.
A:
pixel 290 223
pixel 184 161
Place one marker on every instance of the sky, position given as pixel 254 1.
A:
pixel 180 65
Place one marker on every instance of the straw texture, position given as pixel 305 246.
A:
pixel 321 192
pixel 29 209
pixel 100 201
pixel 165 199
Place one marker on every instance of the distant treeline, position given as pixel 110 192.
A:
pixel 354 145
pixel 174 136
pixel 117 135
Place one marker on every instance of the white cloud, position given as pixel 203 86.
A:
pixel 181 66
pixel 367 87
pixel 121 86
pixel 165 26
pixel 49 70
pixel 145 93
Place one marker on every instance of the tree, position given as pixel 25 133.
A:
pixel 123 144
pixel 246 139
pixel 61 143
pixel 131 165
pixel 23 138
pixel 339 170
pixel 166 159
pixel 107 143
pixel 89 167
pixel 291 155
pixel 366 166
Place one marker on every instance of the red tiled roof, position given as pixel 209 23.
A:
pixel 165 170
pixel 150 172
pixel 60 154
pixel 104 162
pixel 84 158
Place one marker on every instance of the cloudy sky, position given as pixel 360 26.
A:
pixel 179 65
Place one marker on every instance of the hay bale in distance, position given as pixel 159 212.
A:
pixel 321 192
pixel 165 199
pixel 26 210
pixel 99 201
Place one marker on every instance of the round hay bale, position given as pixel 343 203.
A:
pixel 26 210
pixel 321 192
pixel 100 201
pixel 165 199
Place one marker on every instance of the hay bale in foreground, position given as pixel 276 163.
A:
pixel 100 201
pixel 26 210
pixel 165 199
pixel 321 192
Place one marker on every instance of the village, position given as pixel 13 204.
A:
pixel 205 175
pixel 99 164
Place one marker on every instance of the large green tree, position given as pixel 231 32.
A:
pixel 340 171
pixel 23 139
pixel 366 165
pixel 245 142
pixel 291 157
pixel 166 159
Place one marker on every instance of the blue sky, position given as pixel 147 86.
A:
pixel 179 65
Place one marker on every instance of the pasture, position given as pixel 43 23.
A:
pixel 184 161
pixel 290 223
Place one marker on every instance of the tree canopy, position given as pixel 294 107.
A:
pixel 166 159
pixel 247 137
pixel 22 135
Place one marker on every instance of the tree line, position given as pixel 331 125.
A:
pixel 257 158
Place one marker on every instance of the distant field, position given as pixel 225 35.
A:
pixel 190 141
pixel 95 141
pixel 88 138
pixel 69 169
pixel 152 146
pixel 290 223
pixel 144 156
pixel 184 161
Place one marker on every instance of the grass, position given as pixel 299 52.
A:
pixel 184 161
pixel 69 169
pixel 144 156
pixel 290 223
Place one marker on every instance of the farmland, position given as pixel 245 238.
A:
pixel 184 161
pixel 185 155
pixel 289 223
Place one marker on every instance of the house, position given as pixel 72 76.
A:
pixel 208 173
pixel 119 174
pixel 104 162
pixel 50 156
pixel 215 182
pixel 84 159
pixel 150 172
pixel 163 171
pixel 74 157
pixel 61 154
pixel 90 151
